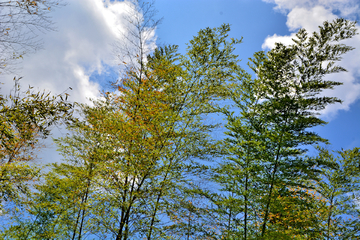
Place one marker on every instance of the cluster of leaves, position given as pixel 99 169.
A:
pixel 141 163
pixel 26 117
pixel 131 152
pixel 267 139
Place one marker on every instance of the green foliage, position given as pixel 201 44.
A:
pixel 25 118
pixel 267 139
pixel 340 188
pixel 128 159
pixel 141 163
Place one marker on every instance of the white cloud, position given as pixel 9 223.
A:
pixel 309 19
pixel 81 45
pixel 310 14
pixel 345 8
pixel 271 40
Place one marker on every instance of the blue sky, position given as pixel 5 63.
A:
pixel 256 21
pixel 253 20
pixel 80 54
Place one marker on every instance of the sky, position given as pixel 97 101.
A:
pixel 80 54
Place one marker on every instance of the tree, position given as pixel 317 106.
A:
pixel 138 40
pixel 292 78
pixel 21 22
pixel 25 119
pixel 135 162
pixel 142 143
pixel 57 208
pixel 267 139
pixel 339 186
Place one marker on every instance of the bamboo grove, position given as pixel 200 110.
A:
pixel 142 161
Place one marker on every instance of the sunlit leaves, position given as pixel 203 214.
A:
pixel 267 138
pixel 134 163
pixel 25 118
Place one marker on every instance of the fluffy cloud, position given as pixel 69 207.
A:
pixel 79 49
pixel 309 14
pixel 81 46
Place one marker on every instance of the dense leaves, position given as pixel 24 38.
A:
pixel 267 171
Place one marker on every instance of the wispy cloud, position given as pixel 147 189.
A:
pixel 344 8
pixel 309 14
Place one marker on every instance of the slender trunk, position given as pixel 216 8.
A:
pixel 76 224
pixel 126 233
pixel 269 200
pixel 122 220
pixel 330 214
pixel 83 214
pixel 246 193
pixel 271 188
pixel 86 197
pixel 246 208
pixel 229 222
pixel 125 216
pixel 154 215
pixel 125 211
pixel 77 220
pixel 83 200
pixel 122 217
pixel 157 204
pixel 161 191
pixel 123 224
pixel 272 182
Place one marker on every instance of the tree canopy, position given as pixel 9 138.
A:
pixel 142 161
